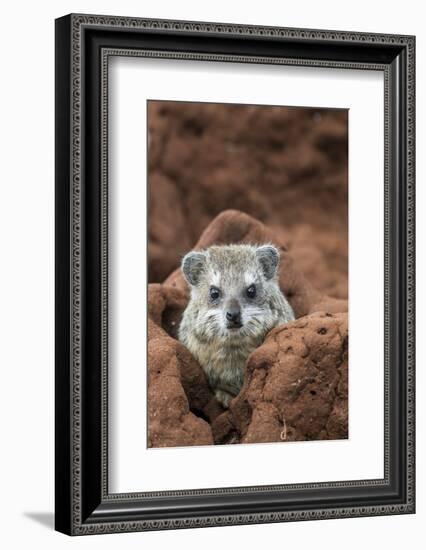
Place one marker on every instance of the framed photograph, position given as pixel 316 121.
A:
pixel 234 274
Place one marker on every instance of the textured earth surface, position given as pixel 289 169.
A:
pixel 286 167
pixel 296 383
pixel 296 386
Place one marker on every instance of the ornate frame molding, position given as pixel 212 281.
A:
pixel 72 47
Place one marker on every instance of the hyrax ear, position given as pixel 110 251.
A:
pixel 269 258
pixel 193 265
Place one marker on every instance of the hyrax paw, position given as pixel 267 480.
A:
pixel 223 397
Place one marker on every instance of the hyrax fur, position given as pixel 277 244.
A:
pixel 235 301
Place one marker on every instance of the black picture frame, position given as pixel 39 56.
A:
pixel 83 504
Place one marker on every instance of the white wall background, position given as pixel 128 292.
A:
pixel 27 267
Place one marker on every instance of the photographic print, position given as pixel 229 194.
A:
pixel 248 274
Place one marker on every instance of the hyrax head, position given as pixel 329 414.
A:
pixel 233 289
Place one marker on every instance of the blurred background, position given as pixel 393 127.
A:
pixel 285 166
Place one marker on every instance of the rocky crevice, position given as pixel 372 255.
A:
pixel 296 383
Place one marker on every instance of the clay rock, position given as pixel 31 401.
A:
pixel 164 248
pixel 296 386
pixel 284 166
pixel 179 397
pixel 233 226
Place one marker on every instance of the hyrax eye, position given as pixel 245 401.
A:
pixel 214 293
pixel 251 291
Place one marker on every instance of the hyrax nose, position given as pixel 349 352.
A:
pixel 233 312
pixel 233 316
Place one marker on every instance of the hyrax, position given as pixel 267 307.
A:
pixel 235 301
